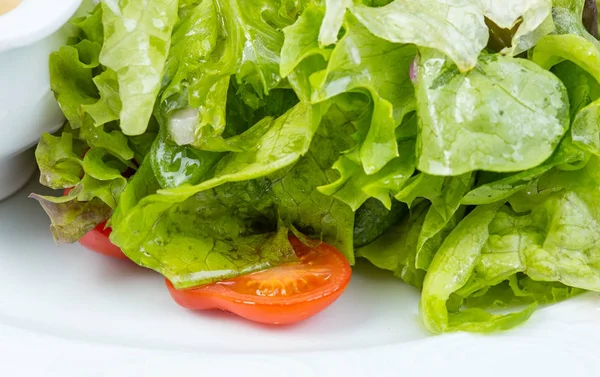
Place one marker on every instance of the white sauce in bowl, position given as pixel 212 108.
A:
pixel 8 5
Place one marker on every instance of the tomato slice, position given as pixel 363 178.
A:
pixel 98 240
pixel 281 295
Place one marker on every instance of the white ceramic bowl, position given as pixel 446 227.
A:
pixel 28 34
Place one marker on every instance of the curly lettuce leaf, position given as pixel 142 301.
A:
pixel 551 244
pixel 300 203
pixel 372 219
pixel 553 50
pixel 396 248
pixel 333 20
pixel 359 62
pixel 214 235
pixel 451 268
pixel 251 213
pixel 194 39
pixel 493 187
pixel 71 219
pixel 568 18
pixel 89 103
pixel 531 18
pixel 137 37
pixel 519 290
pixel 287 139
pixel 456 28
pixel 60 166
pixel 95 182
pixel 505 115
pixel 354 187
pixel 301 40
pixel 442 216
pixel 108 108
pixel 90 27
pixel 71 79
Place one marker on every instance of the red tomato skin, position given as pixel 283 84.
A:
pixel 276 314
pixel 97 240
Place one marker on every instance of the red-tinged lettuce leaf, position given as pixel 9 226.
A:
pixel 71 219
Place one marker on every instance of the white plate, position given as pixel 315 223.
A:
pixel 65 311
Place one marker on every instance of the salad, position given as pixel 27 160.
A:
pixel 252 150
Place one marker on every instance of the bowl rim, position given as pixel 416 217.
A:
pixel 33 20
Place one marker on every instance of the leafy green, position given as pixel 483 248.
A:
pixel 286 140
pixel 137 37
pixel 555 48
pixel 301 40
pixel 451 268
pixel 372 219
pixel 505 115
pixel 333 20
pixel 60 167
pixel 455 28
pixel 355 64
pixel 495 187
pixel 531 18
pixel 71 79
pixel 95 184
pixel 567 15
pixel 396 248
pixel 301 204
pixel 354 187
pixel 213 235
pixel 405 132
pixel 72 219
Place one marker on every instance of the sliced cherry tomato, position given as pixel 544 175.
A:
pixel 281 295
pixel 98 240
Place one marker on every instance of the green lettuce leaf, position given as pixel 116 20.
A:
pixel 137 40
pixel 493 187
pixel 456 28
pixel 194 40
pixel 214 235
pixel 287 139
pixel 568 16
pixel 552 50
pixel 551 245
pixel 96 183
pixel 354 186
pixel 60 166
pixel 90 27
pixel 332 21
pixel 519 290
pixel 451 268
pixel 301 40
pixel 71 79
pixel 532 19
pixel 372 219
pixel 396 248
pixel 515 126
pixel 300 204
pixel 176 165
pixel 108 108
pixel 358 62
pixel 238 218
